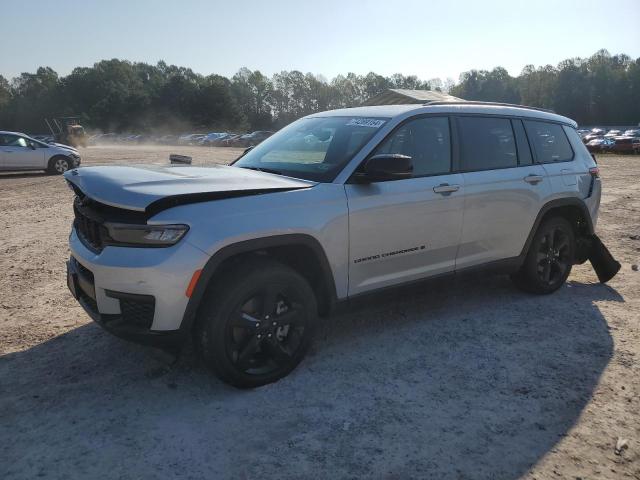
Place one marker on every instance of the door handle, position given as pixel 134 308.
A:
pixel 446 189
pixel 533 179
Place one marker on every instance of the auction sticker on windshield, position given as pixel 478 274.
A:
pixel 366 122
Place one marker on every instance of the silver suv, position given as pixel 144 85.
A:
pixel 245 259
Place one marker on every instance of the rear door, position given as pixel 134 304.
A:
pixel 404 230
pixel 504 189
pixel 553 151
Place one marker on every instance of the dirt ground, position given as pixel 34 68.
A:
pixel 459 379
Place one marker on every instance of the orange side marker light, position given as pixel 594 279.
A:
pixel 193 283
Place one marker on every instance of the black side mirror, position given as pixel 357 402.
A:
pixel 384 167
pixel 32 145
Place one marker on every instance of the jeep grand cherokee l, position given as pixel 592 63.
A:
pixel 247 258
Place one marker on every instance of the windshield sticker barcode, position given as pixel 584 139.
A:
pixel 365 122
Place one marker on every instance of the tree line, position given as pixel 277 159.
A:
pixel 118 95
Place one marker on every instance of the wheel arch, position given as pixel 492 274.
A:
pixel 572 209
pixel 301 252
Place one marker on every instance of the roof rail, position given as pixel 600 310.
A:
pixel 476 102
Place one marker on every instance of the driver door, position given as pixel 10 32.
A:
pixel 407 229
pixel 19 155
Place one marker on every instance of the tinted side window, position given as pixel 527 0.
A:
pixel 426 140
pixel 12 141
pixel 486 143
pixel 549 142
pixel 524 151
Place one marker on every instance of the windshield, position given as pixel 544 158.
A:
pixel 312 148
pixel 38 143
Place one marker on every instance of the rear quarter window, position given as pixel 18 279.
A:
pixel 576 142
pixel 549 142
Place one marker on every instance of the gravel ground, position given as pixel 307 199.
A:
pixel 465 378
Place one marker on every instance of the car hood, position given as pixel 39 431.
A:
pixel 151 188
pixel 62 146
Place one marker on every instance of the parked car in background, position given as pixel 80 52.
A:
pixel 21 152
pixel 209 138
pixel 229 141
pixel 219 141
pixel 590 137
pixel 251 139
pixel 182 139
pixel 626 145
pixel 197 138
pixel 613 133
pixel 597 131
pixel 599 145
pixel 631 133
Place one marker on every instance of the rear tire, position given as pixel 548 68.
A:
pixel 549 259
pixel 58 165
pixel 256 323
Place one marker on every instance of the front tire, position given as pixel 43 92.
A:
pixel 58 165
pixel 256 323
pixel 549 259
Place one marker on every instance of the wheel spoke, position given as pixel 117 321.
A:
pixel 276 350
pixel 560 266
pixel 269 300
pixel 245 354
pixel 245 320
pixel 546 272
pixel 562 244
pixel 290 317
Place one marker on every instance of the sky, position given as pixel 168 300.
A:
pixel 329 37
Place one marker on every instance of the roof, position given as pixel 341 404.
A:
pixel 391 111
pixel 12 133
pixel 401 96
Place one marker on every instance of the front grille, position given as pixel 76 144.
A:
pixel 91 216
pixel 90 229
pixel 137 313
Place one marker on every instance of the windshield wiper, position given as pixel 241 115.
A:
pixel 265 170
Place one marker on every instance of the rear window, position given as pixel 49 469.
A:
pixel 486 143
pixel 549 142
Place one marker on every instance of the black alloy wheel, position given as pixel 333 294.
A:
pixel 549 258
pixel 256 323
pixel 266 330
pixel 553 256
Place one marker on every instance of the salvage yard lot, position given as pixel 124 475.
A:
pixel 461 378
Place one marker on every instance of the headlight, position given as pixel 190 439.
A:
pixel 146 235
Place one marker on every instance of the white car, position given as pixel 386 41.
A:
pixel 21 152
